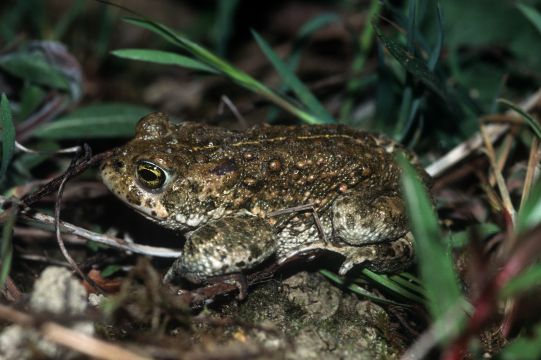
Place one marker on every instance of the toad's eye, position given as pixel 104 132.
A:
pixel 150 175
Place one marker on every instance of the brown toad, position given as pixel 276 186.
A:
pixel 243 197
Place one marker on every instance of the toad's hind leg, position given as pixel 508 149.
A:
pixel 389 257
pixel 361 219
pixel 222 247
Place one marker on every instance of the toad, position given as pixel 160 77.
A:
pixel 243 197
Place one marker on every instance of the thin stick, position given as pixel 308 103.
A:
pixel 70 150
pixel 57 208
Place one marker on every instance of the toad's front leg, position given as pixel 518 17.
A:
pixel 224 248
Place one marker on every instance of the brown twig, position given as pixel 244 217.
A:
pixel 85 157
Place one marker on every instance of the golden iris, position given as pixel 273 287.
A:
pixel 150 175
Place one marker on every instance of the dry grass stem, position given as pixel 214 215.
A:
pixel 504 193
pixel 493 133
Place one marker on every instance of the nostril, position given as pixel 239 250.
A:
pixel 118 165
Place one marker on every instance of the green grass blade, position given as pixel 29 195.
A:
pixel 412 16
pixel 6 248
pixel 392 285
pixel 531 14
pixel 164 58
pixel 356 288
pixel 8 134
pixel 222 66
pixel 529 120
pixel 436 266
pixel 307 29
pixel 95 121
pixel 365 41
pixel 417 67
pixel 289 77
pixel 436 52
pixel 406 282
pixel 221 31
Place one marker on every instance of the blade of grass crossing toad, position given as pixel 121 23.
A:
pixel 6 248
pixel 8 134
pixel 222 66
pixel 289 77
pixel 529 120
pixel 531 14
pixel 164 58
pixel 436 266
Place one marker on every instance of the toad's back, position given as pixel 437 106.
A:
pixel 278 167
